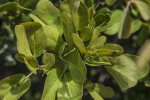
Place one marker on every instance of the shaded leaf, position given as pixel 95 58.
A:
pixel 110 2
pixel 144 9
pixel 35 34
pixel 20 57
pixel 86 33
pixel 76 66
pixel 144 34
pixel 125 25
pixel 12 6
pixel 80 15
pixel 13 87
pixel 48 60
pixel 68 28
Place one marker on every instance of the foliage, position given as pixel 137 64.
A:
pixel 69 39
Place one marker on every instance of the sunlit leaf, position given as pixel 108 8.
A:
pixel 49 14
pixel 135 25
pixel 79 43
pixel 110 2
pixel 69 90
pixel 125 75
pixel 36 19
pixel 52 82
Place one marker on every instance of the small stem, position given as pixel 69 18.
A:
pixel 29 75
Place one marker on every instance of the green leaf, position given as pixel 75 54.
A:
pixel 110 2
pixel 114 22
pixel 20 57
pixel 143 71
pixel 80 15
pixel 52 82
pixel 12 6
pixel 35 34
pixel 22 41
pixel 125 72
pixel 144 34
pixel 125 25
pixel 55 42
pixel 31 62
pixel 76 66
pixel 68 28
pixel 98 60
pixel 49 14
pixel 110 49
pixel 66 6
pixel 69 90
pixel 86 33
pixel 36 19
pixel 101 19
pixel 97 90
pixel 13 87
pixel 79 43
pixel 99 42
pixel 144 9
pixel 48 60
pixel 95 35
pixel 28 4
pixel 135 25
pixel 88 3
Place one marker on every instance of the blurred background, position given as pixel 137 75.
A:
pixel 14 12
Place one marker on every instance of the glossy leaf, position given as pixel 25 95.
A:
pixel 135 25
pixel 52 82
pixel 55 42
pixel 68 28
pixel 76 66
pixel 22 41
pixel 144 9
pixel 125 25
pixel 13 87
pixel 48 60
pixel 79 43
pixel 69 90
pixel 125 75
pixel 80 15
pixel 86 33
pixel 35 34
pixel 31 63
pixel 49 14
pixel 12 6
